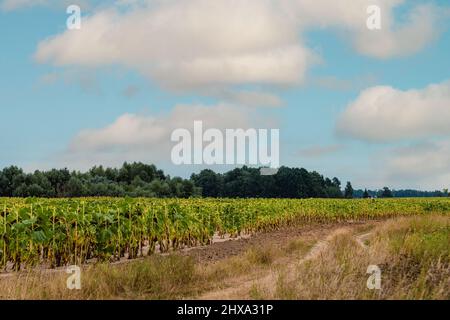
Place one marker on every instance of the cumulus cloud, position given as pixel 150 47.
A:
pixel 188 44
pixel 419 117
pixel 424 166
pixel 399 40
pixel 192 44
pixel 349 17
pixel 383 113
pixel 139 137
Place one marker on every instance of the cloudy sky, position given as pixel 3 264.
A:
pixel 369 106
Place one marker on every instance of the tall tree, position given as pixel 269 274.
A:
pixel 366 194
pixel 210 183
pixel 386 193
pixel 348 193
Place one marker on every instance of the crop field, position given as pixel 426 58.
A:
pixel 58 232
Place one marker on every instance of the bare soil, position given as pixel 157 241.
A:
pixel 233 247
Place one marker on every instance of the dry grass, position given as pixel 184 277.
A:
pixel 157 277
pixel 413 254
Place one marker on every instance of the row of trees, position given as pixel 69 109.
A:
pixel 408 193
pixel 143 180
pixel 133 180
pixel 248 182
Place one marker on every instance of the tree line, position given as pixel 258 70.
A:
pixel 248 182
pixel 132 180
pixel 403 193
pixel 146 180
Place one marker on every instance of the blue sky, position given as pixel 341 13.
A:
pixel 60 90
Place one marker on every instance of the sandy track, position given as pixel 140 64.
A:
pixel 240 288
pixel 226 249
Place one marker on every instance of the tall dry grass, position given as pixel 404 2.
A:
pixel 412 253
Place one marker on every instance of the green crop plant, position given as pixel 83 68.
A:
pixel 58 232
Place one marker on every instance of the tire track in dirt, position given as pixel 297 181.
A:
pixel 240 289
pixel 267 281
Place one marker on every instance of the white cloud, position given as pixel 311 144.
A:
pixel 399 40
pixel 133 137
pixel 188 44
pixel 423 166
pixel 195 44
pixel 417 29
pixel 383 114
pixel 420 117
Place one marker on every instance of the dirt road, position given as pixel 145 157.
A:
pixel 241 286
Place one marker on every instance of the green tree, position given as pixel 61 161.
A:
pixel 75 188
pixel 35 190
pixel 7 178
pixel 58 179
pixel 210 182
pixel 336 182
pixel 348 193
pixel 386 193
pixel 366 194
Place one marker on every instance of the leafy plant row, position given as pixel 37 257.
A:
pixel 58 232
